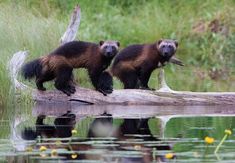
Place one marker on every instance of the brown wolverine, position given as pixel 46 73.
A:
pixel 134 64
pixel 59 64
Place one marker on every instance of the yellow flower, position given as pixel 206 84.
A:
pixel 169 155
pixel 42 148
pixel 58 142
pixel 228 132
pixel 74 132
pixel 53 152
pixel 137 147
pixel 209 140
pixel 74 156
pixel 29 149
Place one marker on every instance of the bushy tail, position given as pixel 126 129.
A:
pixel 31 69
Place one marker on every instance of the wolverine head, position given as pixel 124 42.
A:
pixel 109 48
pixel 167 48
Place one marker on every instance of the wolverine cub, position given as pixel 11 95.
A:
pixel 59 64
pixel 134 64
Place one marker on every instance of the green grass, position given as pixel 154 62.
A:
pixel 38 25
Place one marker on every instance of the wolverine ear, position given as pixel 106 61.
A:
pixel 159 41
pixel 118 43
pixel 176 43
pixel 101 42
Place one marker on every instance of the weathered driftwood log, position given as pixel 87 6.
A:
pixel 164 96
pixel 138 97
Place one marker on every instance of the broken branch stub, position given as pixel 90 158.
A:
pixel 14 67
pixel 72 29
pixel 162 82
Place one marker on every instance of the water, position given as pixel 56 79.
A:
pixel 116 133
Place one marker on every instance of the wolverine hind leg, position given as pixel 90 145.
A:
pixel 63 78
pixel 47 76
pixel 129 79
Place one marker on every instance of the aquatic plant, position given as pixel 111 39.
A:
pixel 43 148
pixel 227 132
pixel 53 152
pixel 74 155
pixel 169 155
pixel 209 140
pixel 74 132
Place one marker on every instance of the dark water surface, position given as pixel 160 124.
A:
pixel 116 133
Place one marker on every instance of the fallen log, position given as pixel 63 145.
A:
pixel 164 96
pixel 138 97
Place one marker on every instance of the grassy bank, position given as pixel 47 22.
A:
pixel 205 30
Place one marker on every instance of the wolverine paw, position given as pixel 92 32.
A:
pixel 41 88
pixel 65 91
pixel 105 92
pixel 72 89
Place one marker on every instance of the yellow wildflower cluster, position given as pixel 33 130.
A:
pixel 169 155
pixel 228 132
pixel 209 140
pixel 42 148
pixel 74 131
pixel 53 152
pixel 74 156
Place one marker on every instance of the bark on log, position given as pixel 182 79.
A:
pixel 138 97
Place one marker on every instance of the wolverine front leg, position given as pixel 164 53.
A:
pixel 94 77
pixel 99 79
pixel 72 84
pixel 105 84
pixel 144 79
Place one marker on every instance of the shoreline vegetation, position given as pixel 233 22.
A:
pixel 205 31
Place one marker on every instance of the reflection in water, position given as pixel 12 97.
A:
pixel 135 132
pixel 105 141
pixel 61 129
pixel 121 133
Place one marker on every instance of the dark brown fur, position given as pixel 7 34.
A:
pixel 134 64
pixel 76 54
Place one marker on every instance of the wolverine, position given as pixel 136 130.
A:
pixel 60 63
pixel 135 63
